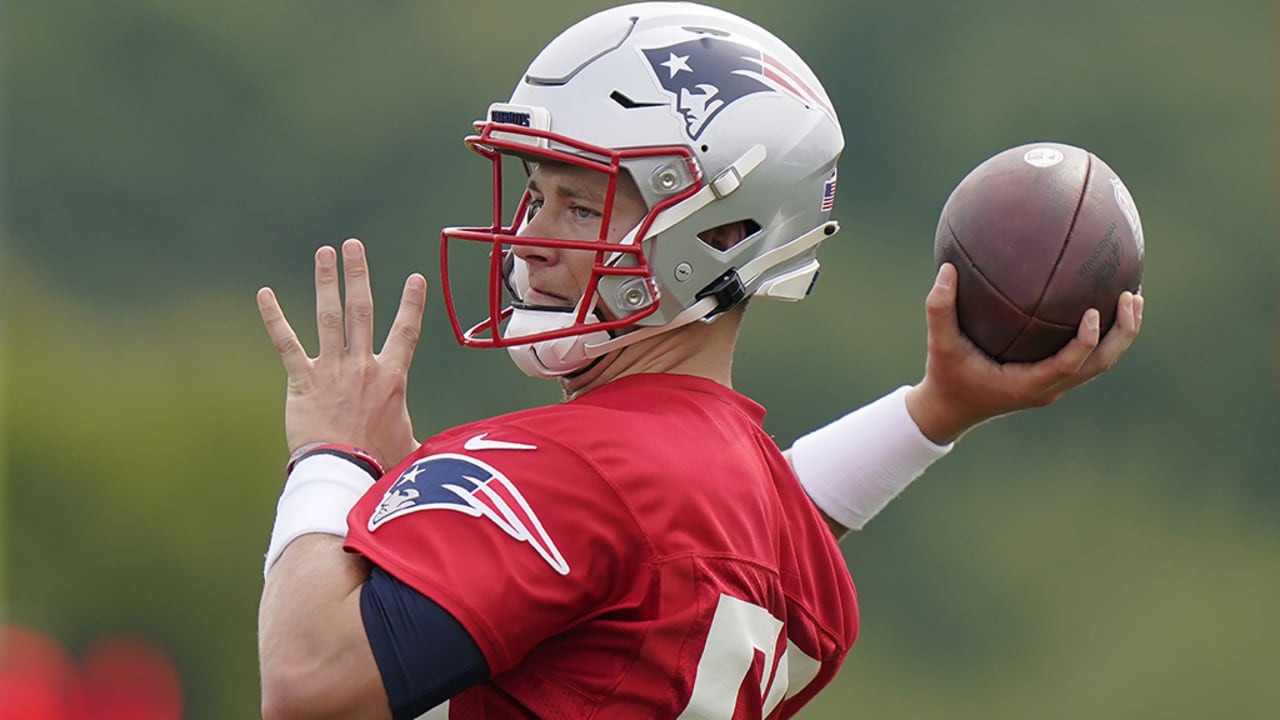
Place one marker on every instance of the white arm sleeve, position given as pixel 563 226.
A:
pixel 853 467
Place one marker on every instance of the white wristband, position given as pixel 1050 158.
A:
pixel 854 466
pixel 319 493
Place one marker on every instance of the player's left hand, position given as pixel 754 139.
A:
pixel 963 387
pixel 347 393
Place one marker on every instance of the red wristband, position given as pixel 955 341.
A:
pixel 362 458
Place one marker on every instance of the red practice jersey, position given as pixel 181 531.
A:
pixel 643 551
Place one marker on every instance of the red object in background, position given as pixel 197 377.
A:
pixel 126 678
pixel 37 678
pixel 122 678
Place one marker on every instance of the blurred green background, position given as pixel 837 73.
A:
pixel 1116 555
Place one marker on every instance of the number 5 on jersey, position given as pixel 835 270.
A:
pixel 739 630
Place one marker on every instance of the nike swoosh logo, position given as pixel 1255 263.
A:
pixel 480 442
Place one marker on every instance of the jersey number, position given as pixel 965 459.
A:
pixel 739 630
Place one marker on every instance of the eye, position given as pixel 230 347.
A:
pixel 532 208
pixel 584 213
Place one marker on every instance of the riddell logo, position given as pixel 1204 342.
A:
pixel 507 117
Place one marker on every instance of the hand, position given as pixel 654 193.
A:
pixel 963 387
pixel 347 394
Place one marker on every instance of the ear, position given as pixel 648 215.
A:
pixel 725 236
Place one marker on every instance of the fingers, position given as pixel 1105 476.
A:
pixel 359 310
pixel 1087 356
pixel 407 327
pixel 1119 338
pixel 1071 358
pixel 281 333
pixel 328 302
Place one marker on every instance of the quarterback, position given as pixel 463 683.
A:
pixel 643 549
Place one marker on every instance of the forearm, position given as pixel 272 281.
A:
pixel 304 590
pixel 313 653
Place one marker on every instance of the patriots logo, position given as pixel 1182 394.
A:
pixel 708 74
pixel 466 485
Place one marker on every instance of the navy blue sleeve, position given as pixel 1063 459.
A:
pixel 424 655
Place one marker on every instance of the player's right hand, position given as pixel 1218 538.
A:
pixel 347 393
pixel 963 387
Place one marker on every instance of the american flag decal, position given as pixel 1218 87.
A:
pixel 829 193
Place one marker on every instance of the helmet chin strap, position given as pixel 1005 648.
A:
pixel 747 274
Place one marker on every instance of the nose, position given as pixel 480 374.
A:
pixel 535 255
pixel 536 227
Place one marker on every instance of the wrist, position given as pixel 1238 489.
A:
pixel 934 417
pixel 324 483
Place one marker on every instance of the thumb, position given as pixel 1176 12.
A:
pixel 940 309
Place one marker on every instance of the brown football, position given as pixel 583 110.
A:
pixel 1039 234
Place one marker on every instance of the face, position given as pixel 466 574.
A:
pixel 567 203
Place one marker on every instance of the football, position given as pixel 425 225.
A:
pixel 1039 234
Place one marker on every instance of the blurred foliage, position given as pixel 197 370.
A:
pixel 1113 556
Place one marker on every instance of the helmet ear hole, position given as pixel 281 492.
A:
pixel 727 236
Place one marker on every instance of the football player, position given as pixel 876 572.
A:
pixel 642 550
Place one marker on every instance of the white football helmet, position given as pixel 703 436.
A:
pixel 717 122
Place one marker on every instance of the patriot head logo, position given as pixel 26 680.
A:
pixel 708 74
pixel 466 485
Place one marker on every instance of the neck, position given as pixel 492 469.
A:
pixel 698 349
